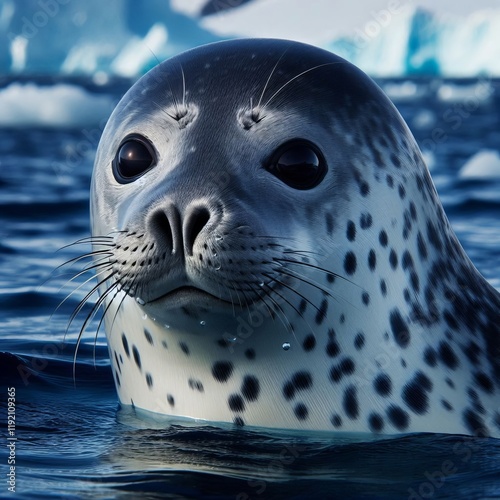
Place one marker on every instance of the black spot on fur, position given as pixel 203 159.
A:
pixel 184 348
pixel 390 181
pixel 345 367
pixel 148 336
pixel 117 362
pixel 423 381
pixel 332 349
pixel 407 260
pixel 236 403
pixel 413 211
pixel 372 260
pixel 416 397
pixel 302 380
pixel 171 400
pixel 366 220
pixel 447 355
pixel 359 341
pixel 309 343
pixel 196 385
pixel 364 189
pixel 125 345
pixel 383 385
pixel 415 281
pixel 137 357
pixel 474 423
pixel 321 313
pixel 336 421
pixel 302 306
pixel 250 388
pixel 395 161
pixel 350 402
pixel 238 421
pixel 365 297
pixel 450 320
pixel 446 405
pixel 149 380
pixel 376 422
pixel 350 263
pixel 393 259
pixel 351 231
pixel 433 236
pixel 222 371
pixel 398 417
pixel 430 356
pixel 301 411
pixel 383 239
pixel 288 391
pixel 422 247
pixel 383 287
pixel 484 382
pixel 399 329
pixel 250 354
pixel 402 191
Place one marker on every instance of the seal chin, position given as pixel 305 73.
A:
pixel 188 297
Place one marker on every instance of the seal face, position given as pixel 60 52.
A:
pixel 272 252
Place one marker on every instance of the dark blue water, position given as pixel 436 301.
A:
pixel 73 441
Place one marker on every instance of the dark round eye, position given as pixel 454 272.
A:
pixel 299 164
pixel 134 157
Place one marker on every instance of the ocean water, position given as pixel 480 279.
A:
pixel 73 440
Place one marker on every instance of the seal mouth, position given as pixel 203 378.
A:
pixel 186 296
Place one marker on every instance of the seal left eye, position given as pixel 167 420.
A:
pixel 299 164
pixel 134 157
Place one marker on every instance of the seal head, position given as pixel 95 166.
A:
pixel 272 252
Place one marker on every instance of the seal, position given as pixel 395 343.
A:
pixel 271 251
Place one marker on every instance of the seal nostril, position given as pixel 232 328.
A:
pixel 194 224
pixel 162 229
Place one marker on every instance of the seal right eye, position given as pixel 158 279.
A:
pixel 134 157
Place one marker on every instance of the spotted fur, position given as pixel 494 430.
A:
pixel 347 307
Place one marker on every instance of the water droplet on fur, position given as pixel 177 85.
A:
pixel 286 346
pixel 166 326
pixel 261 284
pixel 217 267
pixel 144 316
pixel 203 323
pixel 140 301
pixel 218 237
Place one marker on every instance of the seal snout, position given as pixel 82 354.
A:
pixel 177 233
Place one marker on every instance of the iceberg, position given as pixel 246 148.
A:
pixel 390 38
pixel 60 105
pixel 485 164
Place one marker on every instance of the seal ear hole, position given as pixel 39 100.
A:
pixel 299 164
pixel 134 157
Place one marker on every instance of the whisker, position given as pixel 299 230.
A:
pixel 85 299
pixel 278 308
pixel 295 77
pixel 276 280
pixel 88 319
pixel 307 264
pixel 77 288
pixel 270 76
